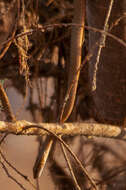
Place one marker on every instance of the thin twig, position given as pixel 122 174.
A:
pixel 68 148
pixel 11 177
pixel 50 27
pixel 6 104
pixel 70 167
pixel 3 138
pixel 102 44
pixel 17 171
pixel 117 21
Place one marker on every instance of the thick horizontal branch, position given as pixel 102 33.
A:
pixel 70 129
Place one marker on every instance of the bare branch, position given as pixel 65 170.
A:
pixel 70 167
pixel 70 129
pixel 6 104
pixel 102 44
pixel 50 27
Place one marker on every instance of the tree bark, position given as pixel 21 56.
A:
pixel 109 98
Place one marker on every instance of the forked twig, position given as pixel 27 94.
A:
pixel 69 150
pixel 17 171
pixel 75 61
pixel 70 167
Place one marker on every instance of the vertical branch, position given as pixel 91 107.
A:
pixel 6 104
pixel 102 44
pixel 74 71
pixel 70 168
pixel 42 157
pixel 75 58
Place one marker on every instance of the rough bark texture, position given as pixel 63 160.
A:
pixel 109 98
pixel 22 127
